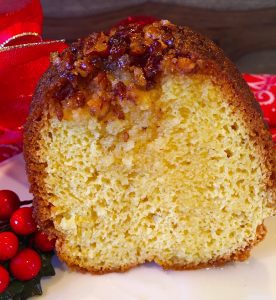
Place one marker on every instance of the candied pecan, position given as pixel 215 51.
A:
pixel 168 37
pixel 118 111
pixel 54 58
pixel 152 66
pixel 63 62
pixel 185 65
pixel 123 61
pixel 102 82
pixel 83 67
pixel 96 44
pixel 67 58
pixel 118 45
pixel 152 32
pixel 58 110
pixel 139 77
pixel 96 63
pixel 98 107
pixel 89 43
pixel 155 48
pixel 62 90
pixel 77 100
pixel 137 46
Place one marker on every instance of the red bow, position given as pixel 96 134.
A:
pixel 24 57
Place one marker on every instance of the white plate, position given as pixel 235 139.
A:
pixel 251 280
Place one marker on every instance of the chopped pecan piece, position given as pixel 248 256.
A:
pixel 139 77
pixel 98 107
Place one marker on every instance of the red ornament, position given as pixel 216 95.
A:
pixel 8 245
pixel 25 265
pixel 43 243
pixel 9 202
pixel 22 221
pixel 4 279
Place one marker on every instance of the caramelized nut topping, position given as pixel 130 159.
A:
pixel 95 71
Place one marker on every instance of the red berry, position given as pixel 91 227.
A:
pixel 9 202
pixel 43 243
pixel 8 245
pixel 25 265
pixel 4 279
pixel 22 221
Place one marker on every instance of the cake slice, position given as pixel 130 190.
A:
pixel 145 144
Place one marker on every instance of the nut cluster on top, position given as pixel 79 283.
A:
pixel 101 70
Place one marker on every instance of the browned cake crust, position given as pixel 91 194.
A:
pixel 146 53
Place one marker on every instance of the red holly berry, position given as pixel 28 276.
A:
pixel 8 245
pixel 25 265
pixel 9 202
pixel 43 243
pixel 22 221
pixel 4 279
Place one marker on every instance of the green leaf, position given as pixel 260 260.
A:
pixel 5 227
pixel 31 288
pixel 22 290
pixel 13 291
pixel 47 269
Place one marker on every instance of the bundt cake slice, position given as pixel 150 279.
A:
pixel 145 144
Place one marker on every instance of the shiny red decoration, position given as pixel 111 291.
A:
pixel 22 221
pixel 4 279
pixel 9 202
pixel 25 265
pixel 8 245
pixel 43 243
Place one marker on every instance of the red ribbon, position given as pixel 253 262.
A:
pixel 24 57
pixel 19 17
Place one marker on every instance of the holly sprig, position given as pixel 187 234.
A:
pixel 18 221
pixel 22 290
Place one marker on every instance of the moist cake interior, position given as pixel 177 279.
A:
pixel 177 181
